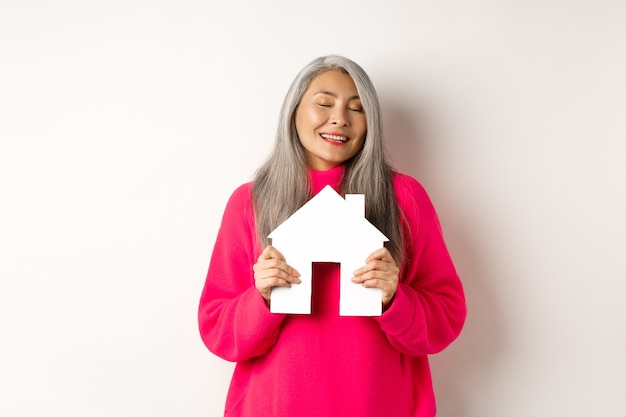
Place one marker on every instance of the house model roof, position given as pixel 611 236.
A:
pixel 329 215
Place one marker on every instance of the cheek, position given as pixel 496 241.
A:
pixel 361 144
pixel 311 118
pixel 362 128
pixel 363 131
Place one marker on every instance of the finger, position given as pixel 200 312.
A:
pixel 375 275
pixel 388 288
pixel 264 286
pixel 377 265
pixel 271 282
pixel 276 273
pixel 377 283
pixel 271 252
pixel 382 254
pixel 379 259
pixel 275 265
pixel 272 258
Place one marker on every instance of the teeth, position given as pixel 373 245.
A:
pixel 334 137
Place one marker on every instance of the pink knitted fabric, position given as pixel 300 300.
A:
pixel 324 364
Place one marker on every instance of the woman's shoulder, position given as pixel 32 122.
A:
pixel 243 192
pixel 407 187
pixel 241 199
pixel 412 198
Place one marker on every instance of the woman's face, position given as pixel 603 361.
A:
pixel 330 120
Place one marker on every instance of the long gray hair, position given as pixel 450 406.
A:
pixel 281 185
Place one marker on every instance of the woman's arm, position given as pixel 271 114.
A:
pixel 428 309
pixel 234 320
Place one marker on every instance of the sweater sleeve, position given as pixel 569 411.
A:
pixel 234 321
pixel 428 310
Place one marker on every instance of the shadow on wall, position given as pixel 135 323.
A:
pixel 468 365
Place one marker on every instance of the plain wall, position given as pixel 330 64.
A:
pixel 125 126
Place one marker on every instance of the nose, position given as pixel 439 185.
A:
pixel 339 117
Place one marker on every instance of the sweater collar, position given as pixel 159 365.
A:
pixel 320 179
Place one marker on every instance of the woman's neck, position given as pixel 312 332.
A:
pixel 320 179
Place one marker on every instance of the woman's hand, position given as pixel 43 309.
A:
pixel 271 271
pixel 380 271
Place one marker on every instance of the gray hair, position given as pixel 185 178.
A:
pixel 281 185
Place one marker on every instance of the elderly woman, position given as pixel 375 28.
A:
pixel 324 364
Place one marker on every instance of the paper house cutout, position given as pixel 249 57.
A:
pixel 328 228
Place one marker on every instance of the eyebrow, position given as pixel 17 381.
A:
pixel 330 93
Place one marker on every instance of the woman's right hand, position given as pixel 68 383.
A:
pixel 271 271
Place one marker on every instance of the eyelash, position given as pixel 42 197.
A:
pixel 329 105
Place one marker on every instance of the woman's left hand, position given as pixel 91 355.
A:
pixel 380 271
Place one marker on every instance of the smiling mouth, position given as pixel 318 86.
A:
pixel 334 138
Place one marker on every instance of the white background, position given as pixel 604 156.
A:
pixel 125 126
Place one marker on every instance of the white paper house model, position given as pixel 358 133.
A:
pixel 328 228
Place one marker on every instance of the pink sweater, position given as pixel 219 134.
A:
pixel 324 364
